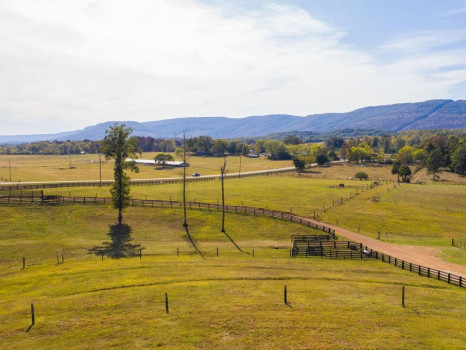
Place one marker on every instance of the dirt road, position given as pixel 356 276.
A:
pixel 425 256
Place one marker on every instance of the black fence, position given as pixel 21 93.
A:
pixel 331 249
pixel 459 243
pixel 152 203
pixel 352 250
pixel 422 270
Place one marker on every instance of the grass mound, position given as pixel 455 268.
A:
pixel 232 301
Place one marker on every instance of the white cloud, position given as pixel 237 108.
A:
pixel 456 11
pixel 425 40
pixel 66 65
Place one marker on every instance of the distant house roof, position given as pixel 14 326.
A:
pixel 153 162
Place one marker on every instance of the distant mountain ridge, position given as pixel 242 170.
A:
pixel 431 114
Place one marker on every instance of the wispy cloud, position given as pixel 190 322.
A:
pixel 425 40
pixel 65 65
pixel 455 11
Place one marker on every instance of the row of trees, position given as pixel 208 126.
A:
pixel 434 151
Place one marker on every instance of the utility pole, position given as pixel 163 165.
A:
pixel 222 173
pixel 240 155
pixel 9 167
pixel 185 222
pixel 100 169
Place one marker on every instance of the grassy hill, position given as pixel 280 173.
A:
pixel 233 301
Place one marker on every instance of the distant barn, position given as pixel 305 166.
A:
pixel 153 162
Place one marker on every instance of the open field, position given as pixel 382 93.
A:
pixel 86 167
pixel 410 214
pixel 376 171
pixel 233 301
pixel 280 192
pixel 428 214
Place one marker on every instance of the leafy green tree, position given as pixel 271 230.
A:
pixel 458 159
pixel 119 146
pixel 405 173
pixel 277 150
pixel 292 140
pixel 163 158
pixel 361 175
pixel 244 149
pixel 405 155
pixel 360 153
pixel 259 147
pixel 420 155
pixel 396 169
pixel 299 163
pixel 204 144
pixel 219 147
pixel 434 162
pixel 322 159
pixel 234 147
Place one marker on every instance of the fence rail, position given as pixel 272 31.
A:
pixel 137 182
pixel 422 270
pixel 342 250
pixel 287 216
pixel 459 243
pixel 61 200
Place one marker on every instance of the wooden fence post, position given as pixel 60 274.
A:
pixel 32 315
pixel 166 303
pixel 403 296
pixel 24 262
pixel 285 296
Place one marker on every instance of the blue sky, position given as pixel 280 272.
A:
pixel 69 64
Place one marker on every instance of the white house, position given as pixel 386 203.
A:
pixel 153 162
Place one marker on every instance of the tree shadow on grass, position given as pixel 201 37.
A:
pixel 120 246
pixel 232 241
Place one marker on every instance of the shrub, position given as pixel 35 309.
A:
pixel 361 175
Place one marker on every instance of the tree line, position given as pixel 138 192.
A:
pixel 436 150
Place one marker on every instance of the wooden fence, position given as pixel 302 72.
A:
pixel 152 203
pixel 336 250
pixel 136 182
pixel 459 243
pixel 61 200
pixel 421 270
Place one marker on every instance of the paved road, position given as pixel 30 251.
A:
pixel 248 173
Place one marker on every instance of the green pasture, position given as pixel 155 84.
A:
pixel 301 195
pixel 232 301
pixel 429 214
pixel 86 167
pixel 410 214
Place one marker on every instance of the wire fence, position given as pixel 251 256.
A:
pixel 138 182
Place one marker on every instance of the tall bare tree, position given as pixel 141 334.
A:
pixel 222 177
pixel 184 159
